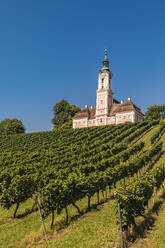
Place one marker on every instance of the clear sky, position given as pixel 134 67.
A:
pixel 52 50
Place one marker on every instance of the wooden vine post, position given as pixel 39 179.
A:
pixel 153 199
pixel 121 231
pixel 35 197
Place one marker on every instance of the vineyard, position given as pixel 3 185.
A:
pixel 63 174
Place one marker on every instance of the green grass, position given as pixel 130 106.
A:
pixel 12 230
pixel 95 229
pixel 157 236
pixel 27 231
pixel 154 237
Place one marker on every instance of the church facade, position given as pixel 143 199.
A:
pixel 108 110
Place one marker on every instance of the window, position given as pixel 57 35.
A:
pixel 93 122
pixel 129 117
pixel 101 120
pixel 102 83
pixel 84 122
pixel 89 122
pixel 101 101
pixel 124 117
pixel 79 122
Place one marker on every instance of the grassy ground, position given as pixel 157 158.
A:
pixel 154 235
pixel 12 230
pixel 96 228
pixel 156 238
pixel 93 229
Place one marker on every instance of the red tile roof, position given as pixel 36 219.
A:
pixel 116 108
pixel 123 107
pixel 87 112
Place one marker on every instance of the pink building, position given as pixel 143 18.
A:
pixel 108 110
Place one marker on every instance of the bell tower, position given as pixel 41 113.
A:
pixel 104 94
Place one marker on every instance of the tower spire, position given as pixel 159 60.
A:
pixel 105 53
pixel 105 62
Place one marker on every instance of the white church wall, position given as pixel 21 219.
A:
pixel 124 117
pixel 80 123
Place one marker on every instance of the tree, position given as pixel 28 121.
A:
pixel 11 126
pixel 67 125
pixel 63 112
pixel 155 112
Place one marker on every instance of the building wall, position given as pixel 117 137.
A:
pixel 104 102
pixel 92 123
pixel 125 117
pixel 130 116
pixel 80 123
pixel 138 116
pixel 111 120
pixel 119 118
pixel 101 121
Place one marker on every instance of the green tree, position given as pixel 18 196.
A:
pixel 67 125
pixel 155 112
pixel 63 112
pixel 11 126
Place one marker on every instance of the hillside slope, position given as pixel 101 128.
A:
pixel 54 156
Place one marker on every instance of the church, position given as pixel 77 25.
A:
pixel 108 110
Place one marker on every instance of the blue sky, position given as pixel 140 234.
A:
pixel 53 50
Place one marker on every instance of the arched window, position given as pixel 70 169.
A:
pixel 102 83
